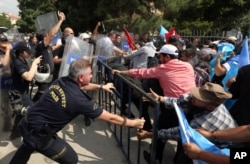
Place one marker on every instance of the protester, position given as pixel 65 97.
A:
pixel 85 37
pixel 238 134
pixel 208 113
pixel 43 48
pixel 68 31
pixel 33 42
pixel 22 75
pixel 144 39
pixel 201 68
pixel 118 41
pixel 175 78
pixel 59 50
pixel 240 91
pixel 41 124
pixel 139 58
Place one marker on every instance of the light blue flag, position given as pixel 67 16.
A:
pixel 188 135
pixel 226 49
pixel 244 54
pixel 163 31
pixel 236 63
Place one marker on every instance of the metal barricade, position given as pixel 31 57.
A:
pixel 114 103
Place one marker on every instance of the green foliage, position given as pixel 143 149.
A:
pixel 4 21
pixel 141 15
pixel 30 10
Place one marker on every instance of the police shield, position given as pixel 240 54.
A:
pixel 74 49
pixel 47 21
pixel 13 35
pixel 104 47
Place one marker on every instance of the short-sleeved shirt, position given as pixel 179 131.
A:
pixel 60 104
pixel 47 56
pixel 20 66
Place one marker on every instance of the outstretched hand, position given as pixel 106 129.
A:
pixel 139 123
pixel 153 94
pixel 114 71
pixel 143 134
pixel 109 87
pixel 192 150
pixel 205 133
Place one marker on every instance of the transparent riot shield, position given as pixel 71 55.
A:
pixel 75 48
pixel 104 47
pixel 47 21
pixel 13 35
pixel 6 84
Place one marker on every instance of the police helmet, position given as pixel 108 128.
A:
pixel 42 73
pixel 15 100
pixel 3 38
pixel 15 97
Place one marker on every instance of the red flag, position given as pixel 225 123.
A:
pixel 170 33
pixel 129 39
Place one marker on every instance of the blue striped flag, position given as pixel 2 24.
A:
pixel 244 54
pixel 188 135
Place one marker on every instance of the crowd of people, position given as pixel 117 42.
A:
pixel 175 70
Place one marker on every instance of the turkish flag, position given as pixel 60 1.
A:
pixel 129 39
pixel 170 33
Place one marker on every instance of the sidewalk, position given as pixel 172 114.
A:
pixel 94 144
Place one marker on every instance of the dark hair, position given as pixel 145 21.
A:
pixel 190 52
pixel 41 34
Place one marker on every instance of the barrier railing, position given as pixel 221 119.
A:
pixel 122 102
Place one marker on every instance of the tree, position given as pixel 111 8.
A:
pixel 4 21
pixel 29 10
pixel 141 15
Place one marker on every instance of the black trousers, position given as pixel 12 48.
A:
pixel 167 119
pixel 51 146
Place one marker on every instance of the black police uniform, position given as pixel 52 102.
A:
pixel 21 85
pixel 59 105
pixel 47 58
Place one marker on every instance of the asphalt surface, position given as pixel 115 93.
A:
pixel 94 144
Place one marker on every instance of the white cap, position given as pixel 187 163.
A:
pixel 169 49
pixel 84 36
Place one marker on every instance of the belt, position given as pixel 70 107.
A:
pixel 46 130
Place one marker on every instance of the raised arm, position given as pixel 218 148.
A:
pixel 54 29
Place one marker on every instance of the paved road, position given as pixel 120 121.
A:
pixel 94 145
